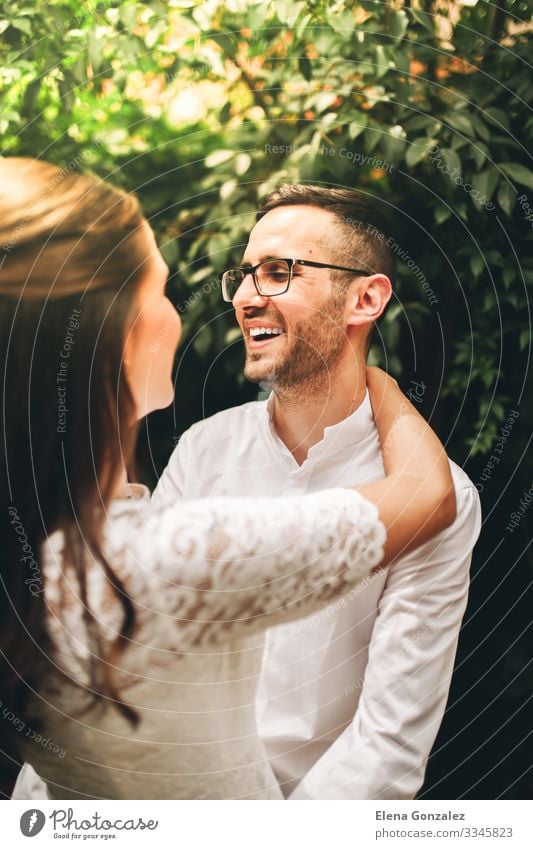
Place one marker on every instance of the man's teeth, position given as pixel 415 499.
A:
pixel 261 331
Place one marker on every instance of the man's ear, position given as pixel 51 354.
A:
pixel 368 298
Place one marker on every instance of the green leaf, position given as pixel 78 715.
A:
pixel 394 143
pixel 508 275
pixel 373 135
pixel 67 95
pixel 325 41
pixel 497 117
pixel 488 378
pixel 170 251
pixel 129 14
pixel 401 62
pixel 305 67
pixel 343 23
pixel 227 188
pixel 398 21
pixel 154 34
pixel 518 172
pixel 203 340
pixel 477 264
pixel 301 25
pixel 308 165
pixel 484 184
pixel 481 129
pixel 506 196
pixel 495 257
pixel 453 161
pixel 242 163
pixel 22 24
pixel 3 26
pixel 458 142
pixel 257 15
pixel 424 19
pixel 95 51
pixel 525 339
pixel 195 277
pixel 217 158
pixel 288 11
pixel 417 151
pixel 232 335
pixel 460 123
pixel 202 16
pixel 357 125
pixel 323 100
pixel 442 213
pixel 489 301
pixel 381 60
pixel 30 96
pixel 480 153
pixel 78 71
pixel 423 122
pixel 217 251
pixel 225 113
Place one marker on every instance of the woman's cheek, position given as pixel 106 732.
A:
pixel 176 335
pixel 163 352
pixel 167 330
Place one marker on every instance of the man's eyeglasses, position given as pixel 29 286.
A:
pixel 272 276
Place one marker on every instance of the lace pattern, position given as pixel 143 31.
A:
pixel 225 567
pixel 207 577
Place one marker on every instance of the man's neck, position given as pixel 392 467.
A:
pixel 301 416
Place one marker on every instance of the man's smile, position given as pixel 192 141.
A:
pixel 260 334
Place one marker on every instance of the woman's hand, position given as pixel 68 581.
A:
pixel 416 499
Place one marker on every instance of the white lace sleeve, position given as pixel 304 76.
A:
pixel 225 567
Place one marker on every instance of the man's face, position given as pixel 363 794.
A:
pixel 311 314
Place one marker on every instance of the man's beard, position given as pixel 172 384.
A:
pixel 309 362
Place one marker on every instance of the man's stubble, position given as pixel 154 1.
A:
pixel 308 365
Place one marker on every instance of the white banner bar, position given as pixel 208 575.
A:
pixel 268 825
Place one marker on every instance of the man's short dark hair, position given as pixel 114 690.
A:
pixel 360 234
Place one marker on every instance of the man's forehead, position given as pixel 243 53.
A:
pixel 288 232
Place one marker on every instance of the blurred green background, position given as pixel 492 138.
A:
pixel 201 108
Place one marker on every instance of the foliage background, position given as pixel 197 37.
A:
pixel 202 107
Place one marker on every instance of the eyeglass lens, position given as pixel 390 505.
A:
pixel 272 278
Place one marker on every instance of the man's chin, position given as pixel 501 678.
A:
pixel 256 375
pixel 260 370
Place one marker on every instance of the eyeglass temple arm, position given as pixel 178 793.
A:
pixel 328 265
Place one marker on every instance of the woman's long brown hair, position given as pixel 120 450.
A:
pixel 71 259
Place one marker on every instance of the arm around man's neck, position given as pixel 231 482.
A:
pixel 416 499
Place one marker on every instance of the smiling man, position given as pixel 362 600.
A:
pixel 351 699
pixel 305 317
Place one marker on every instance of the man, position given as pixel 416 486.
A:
pixel 351 699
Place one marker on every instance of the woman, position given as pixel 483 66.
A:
pixel 131 639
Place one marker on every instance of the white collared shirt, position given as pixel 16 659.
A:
pixel 351 698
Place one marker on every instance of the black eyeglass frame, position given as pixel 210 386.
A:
pixel 291 262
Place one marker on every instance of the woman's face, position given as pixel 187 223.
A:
pixel 154 335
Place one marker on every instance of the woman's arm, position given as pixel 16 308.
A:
pixel 225 567
pixel 416 499
pixel 221 568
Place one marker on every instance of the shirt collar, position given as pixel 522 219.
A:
pixel 357 426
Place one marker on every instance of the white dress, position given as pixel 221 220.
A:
pixel 207 578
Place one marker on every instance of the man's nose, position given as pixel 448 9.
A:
pixel 247 295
